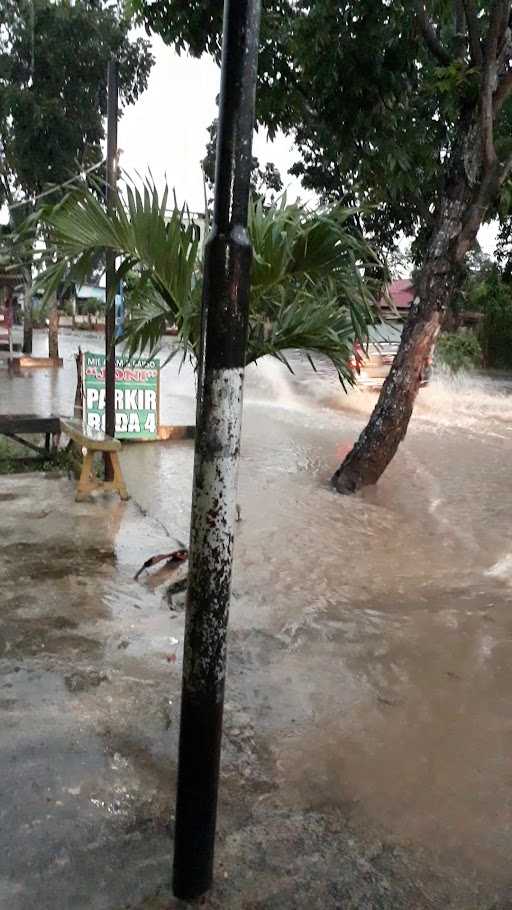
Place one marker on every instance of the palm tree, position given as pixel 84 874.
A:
pixel 307 285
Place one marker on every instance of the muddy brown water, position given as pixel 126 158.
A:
pixel 377 629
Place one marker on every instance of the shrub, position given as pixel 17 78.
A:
pixel 496 329
pixel 457 351
pixel 90 306
pixel 66 307
pixel 15 460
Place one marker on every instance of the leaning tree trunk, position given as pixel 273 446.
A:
pixel 460 213
pixel 388 424
pixel 53 329
pixel 27 312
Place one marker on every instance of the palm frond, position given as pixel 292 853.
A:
pixel 308 288
pixel 136 229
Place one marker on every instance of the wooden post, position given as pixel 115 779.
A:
pixel 9 319
pixel 78 410
pixel 110 257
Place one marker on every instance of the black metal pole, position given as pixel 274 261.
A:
pixel 219 411
pixel 110 259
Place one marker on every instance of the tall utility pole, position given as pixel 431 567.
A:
pixel 110 259
pixel 225 310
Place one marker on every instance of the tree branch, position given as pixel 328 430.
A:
pixel 484 195
pixel 506 170
pixel 503 91
pixel 474 31
pixel 487 114
pixel 430 35
pixel 460 31
pixel 498 23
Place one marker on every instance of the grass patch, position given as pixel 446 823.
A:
pixel 17 459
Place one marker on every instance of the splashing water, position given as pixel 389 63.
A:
pixel 467 401
pixel 379 623
pixel 270 382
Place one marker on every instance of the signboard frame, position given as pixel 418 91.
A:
pixel 137 395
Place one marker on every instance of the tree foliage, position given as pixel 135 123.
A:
pixel 372 109
pixel 53 58
pixel 493 297
pixel 485 290
pixel 404 106
pixel 266 182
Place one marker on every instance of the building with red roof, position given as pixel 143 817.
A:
pixel 397 301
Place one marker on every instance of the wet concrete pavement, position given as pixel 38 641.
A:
pixel 86 760
pixel 368 721
pixel 89 699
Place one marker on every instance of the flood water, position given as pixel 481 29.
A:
pixel 378 628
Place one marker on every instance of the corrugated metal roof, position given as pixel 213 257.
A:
pixel 86 291
pixel 402 294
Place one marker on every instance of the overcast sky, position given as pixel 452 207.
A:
pixel 167 130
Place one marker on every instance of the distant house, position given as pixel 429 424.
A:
pixel 89 292
pixel 397 301
pixel 88 303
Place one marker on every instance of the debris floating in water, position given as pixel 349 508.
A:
pixel 174 558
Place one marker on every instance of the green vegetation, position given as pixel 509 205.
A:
pixel 266 182
pixel 53 88
pixel 372 103
pixel 403 108
pixel 307 285
pixel 66 307
pixel 18 459
pixel 14 459
pixel 456 351
pixel 53 102
pixel 91 306
pixel 487 290
pixel 496 328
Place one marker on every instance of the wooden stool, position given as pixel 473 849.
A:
pixel 91 441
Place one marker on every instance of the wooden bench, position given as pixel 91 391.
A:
pixel 13 425
pixel 91 441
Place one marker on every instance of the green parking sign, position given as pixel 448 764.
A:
pixel 136 395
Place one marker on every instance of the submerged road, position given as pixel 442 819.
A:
pixel 369 726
